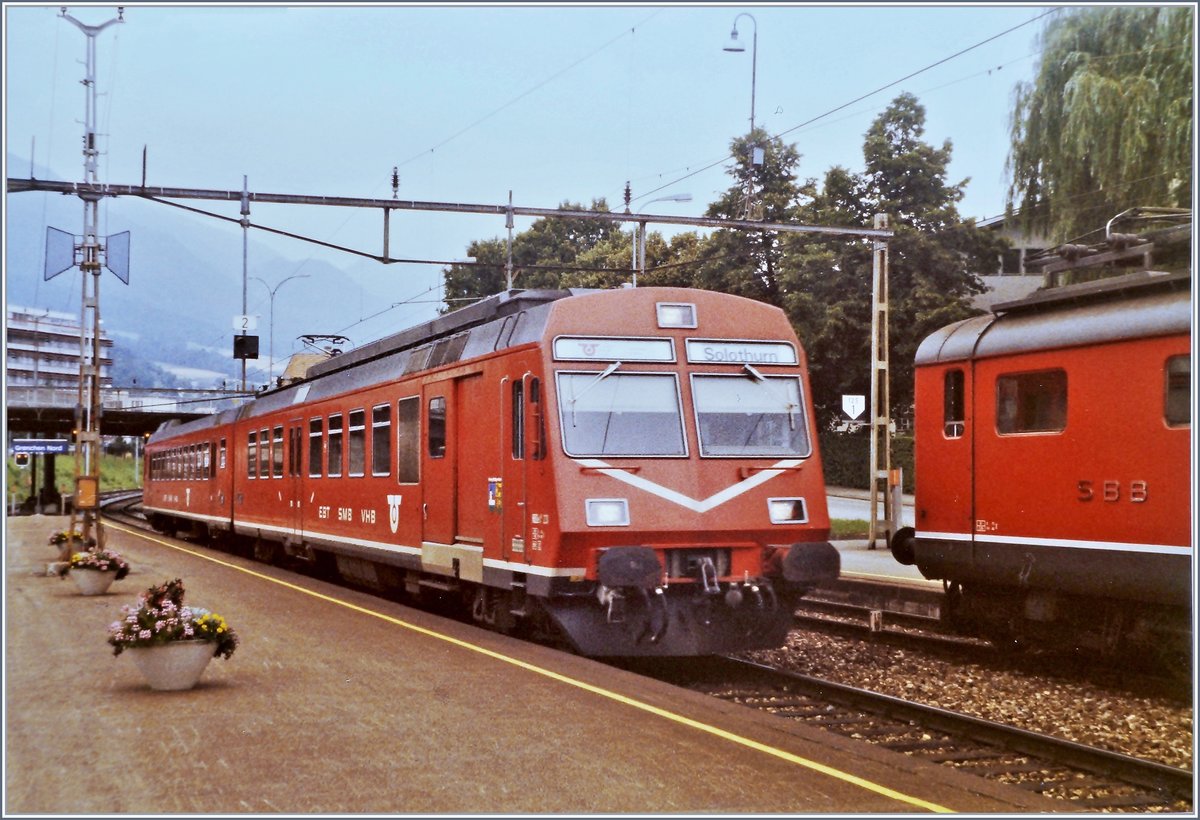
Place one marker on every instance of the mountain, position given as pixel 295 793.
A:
pixel 177 313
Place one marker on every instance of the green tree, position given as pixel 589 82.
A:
pixel 1106 124
pixel 744 262
pixel 548 254
pixel 932 259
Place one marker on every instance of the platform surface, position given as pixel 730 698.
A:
pixel 342 702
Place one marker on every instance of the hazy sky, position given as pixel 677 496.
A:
pixel 554 103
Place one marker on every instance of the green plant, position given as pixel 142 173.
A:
pixel 160 618
pixel 61 537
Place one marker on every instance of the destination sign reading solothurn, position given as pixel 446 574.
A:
pixel 709 351
pixel 608 349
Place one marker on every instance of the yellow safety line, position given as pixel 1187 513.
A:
pixel 596 690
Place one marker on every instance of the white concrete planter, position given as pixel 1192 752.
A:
pixel 173 666
pixel 92 581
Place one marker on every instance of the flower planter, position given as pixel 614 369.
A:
pixel 173 666
pixel 92 581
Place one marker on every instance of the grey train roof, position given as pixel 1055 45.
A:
pixel 504 320
pixel 1138 305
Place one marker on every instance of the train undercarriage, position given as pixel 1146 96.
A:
pixel 636 608
pixel 1115 631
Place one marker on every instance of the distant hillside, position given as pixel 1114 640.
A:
pixel 173 324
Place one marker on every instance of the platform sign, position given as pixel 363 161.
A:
pixel 853 406
pixel 41 446
pixel 243 323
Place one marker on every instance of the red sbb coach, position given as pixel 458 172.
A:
pixel 633 469
pixel 1053 485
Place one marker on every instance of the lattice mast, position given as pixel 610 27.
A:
pixel 85 511
pixel 881 416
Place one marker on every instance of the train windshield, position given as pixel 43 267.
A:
pixel 620 414
pixel 750 415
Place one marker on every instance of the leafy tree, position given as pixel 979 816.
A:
pixel 542 255
pixel 931 259
pixel 1106 125
pixel 747 262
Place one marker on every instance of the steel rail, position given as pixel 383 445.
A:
pixel 1126 768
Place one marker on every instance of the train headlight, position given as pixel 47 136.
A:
pixel 607 512
pixel 787 510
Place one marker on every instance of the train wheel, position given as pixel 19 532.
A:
pixel 492 608
pixel 265 551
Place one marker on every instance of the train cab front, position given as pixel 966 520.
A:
pixel 689 485
pixel 686 600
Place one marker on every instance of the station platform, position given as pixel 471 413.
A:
pixel 338 701
pixel 861 562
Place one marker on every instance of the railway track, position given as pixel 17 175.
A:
pixel 908 617
pixel 1082 777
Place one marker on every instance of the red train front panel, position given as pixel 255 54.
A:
pixel 682 438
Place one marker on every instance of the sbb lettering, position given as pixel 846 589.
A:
pixel 1110 491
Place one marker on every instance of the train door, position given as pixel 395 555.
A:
pixel 439 454
pixel 295 450
pixel 476 433
pixel 520 450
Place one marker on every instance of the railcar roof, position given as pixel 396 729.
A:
pixel 485 310
pixel 1139 305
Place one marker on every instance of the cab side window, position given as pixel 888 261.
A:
pixel 1178 403
pixel 953 405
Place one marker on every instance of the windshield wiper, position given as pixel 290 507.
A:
pixel 608 371
pixel 791 406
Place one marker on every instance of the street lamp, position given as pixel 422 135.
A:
pixel 639 236
pixel 735 45
pixel 271 343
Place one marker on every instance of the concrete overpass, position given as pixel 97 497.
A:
pixel 49 412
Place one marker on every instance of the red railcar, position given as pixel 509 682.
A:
pixel 635 468
pixel 1053 491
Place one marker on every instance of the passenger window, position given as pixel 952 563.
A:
pixel 953 415
pixel 264 453
pixel 518 420
pixel 381 440
pixel 221 455
pixel 437 427
pixel 408 441
pixel 277 453
pixel 1031 402
pixel 358 442
pixel 1178 411
pixel 315 448
pixel 335 445
pixel 538 422
pixel 294 451
pixel 252 455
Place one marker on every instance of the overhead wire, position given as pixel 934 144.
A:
pixel 860 98
pixel 632 30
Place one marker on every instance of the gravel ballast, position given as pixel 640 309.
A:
pixel 1096 713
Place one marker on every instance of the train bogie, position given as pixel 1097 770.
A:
pixel 1052 453
pixel 635 468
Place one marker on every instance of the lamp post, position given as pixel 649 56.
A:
pixel 639 233
pixel 735 45
pixel 271 343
